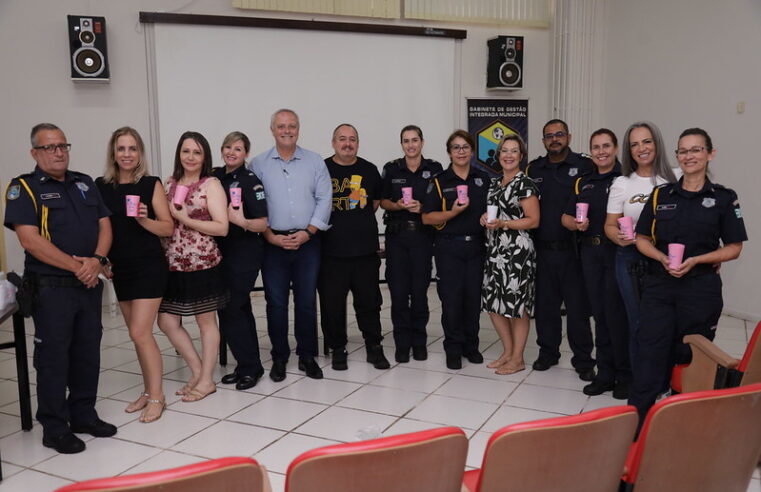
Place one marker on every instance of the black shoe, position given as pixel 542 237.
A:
pixel 420 352
pixel 543 364
pixel 308 365
pixel 66 443
pixel 231 378
pixel 587 374
pixel 277 372
pixel 621 391
pixel 376 357
pixel 454 361
pixel 402 355
pixel 339 360
pixel 597 388
pixel 474 357
pixel 96 428
pixel 247 382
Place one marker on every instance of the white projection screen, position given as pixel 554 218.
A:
pixel 216 79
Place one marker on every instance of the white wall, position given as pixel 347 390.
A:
pixel 35 81
pixel 684 64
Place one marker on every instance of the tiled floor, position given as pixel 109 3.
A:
pixel 274 422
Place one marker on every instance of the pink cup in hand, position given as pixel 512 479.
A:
pixel 180 193
pixel 462 193
pixel 581 212
pixel 626 224
pixel 235 197
pixel 132 203
pixel 406 195
pixel 676 254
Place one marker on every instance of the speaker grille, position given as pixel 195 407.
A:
pixel 510 73
pixel 88 62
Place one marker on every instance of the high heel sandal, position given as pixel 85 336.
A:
pixel 138 404
pixel 151 401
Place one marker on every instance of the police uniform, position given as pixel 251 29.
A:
pixel 598 268
pixel 459 250
pixel 67 315
pixel 409 249
pixel 241 259
pixel 674 307
pixel 558 270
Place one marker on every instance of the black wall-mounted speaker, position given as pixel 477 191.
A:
pixel 505 65
pixel 88 49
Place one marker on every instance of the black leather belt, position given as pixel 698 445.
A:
pixel 57 281
pixel 285 233
pixel 594 240
pixel 463 237
pixel 553 245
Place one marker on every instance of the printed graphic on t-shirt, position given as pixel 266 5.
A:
pixel 349 194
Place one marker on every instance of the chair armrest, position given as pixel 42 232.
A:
pixel 707 359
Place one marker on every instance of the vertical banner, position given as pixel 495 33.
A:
pixel 491 119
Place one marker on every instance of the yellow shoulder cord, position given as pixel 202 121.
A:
pixel 655 207
pixel 576 186
pixel 439 227
pixel 43 216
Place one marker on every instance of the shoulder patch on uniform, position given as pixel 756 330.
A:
pixel 258 187
pixel 738 213
pixel 14 191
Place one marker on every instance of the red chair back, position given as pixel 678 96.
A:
pixel 707 441
pixel 579 452
pixel 228 474
pixel 427 461
pixel 750 365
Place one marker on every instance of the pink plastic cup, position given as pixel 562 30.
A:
pixel 180 193
pixel 406 195
pixel 491 213
pixel 132 203
pixel 626 224
pixel 235 197
pixel 581 212
pixel 676 254
pixel 462 193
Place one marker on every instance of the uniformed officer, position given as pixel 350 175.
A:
pixel 682 297
pixel 241 259
pixel 409 244
pixel 597 263
pixel 459 247
pixel 558 270
pixel 63 226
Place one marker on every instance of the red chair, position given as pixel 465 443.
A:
pixel 228 474
pixel 707 441
pixel 426 461
pixel 712 368
pixel 579 452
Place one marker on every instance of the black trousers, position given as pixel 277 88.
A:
pixel 460 272
pixel 670 309
pixel 67 333
pixel 339 276
pixel 559 280
pixel 408 272
pixel 611 324
pixel 240 267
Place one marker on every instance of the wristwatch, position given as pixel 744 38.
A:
pixel 309 233
pixel 102 259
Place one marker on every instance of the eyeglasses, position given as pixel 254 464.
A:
pixel 550 136
pixel 510 151
pixel 692 150
pixel 50 149
pixel 460 148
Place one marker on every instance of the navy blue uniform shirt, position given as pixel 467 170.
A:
pixel 556 186
pixel 593 189
pixel 252 197
pixel 73 208
pixel 468 221
pixel 396 176
pixel 699 220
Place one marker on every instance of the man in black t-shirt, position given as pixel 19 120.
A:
pixel 350 260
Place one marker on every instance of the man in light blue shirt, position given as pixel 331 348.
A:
pixel 299 197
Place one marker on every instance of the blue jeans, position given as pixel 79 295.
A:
pixel 626 256
pixel 282 270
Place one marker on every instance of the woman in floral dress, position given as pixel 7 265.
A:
pixel 195 284
pixel 508 288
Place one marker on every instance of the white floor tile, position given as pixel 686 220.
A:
pixel 390 401
pixel 358 372
pixel 548 399
pixel 219 405
pixel 556 377
pixel 170 429
pixel 112 382
pixel 10 470
pixel 277 456
pixel 278 413
pixel 114 336
pixel 164 461
pixel 24 448
pixel 602 401
pixel 406 426
pixel 9 424
pixel 113 357
pixel 476 448
pixel 507 415
pixel 453 411
pixel 412 379
pixel 228 439
pixel 277 481
pixel 344 424
pixel 325 391
pixel 477 389
pixel 29 480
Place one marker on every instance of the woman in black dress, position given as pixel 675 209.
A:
pixel 138 263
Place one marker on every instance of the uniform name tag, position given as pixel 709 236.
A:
pixel 49 196
pixel 667 206
pixel 399 181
